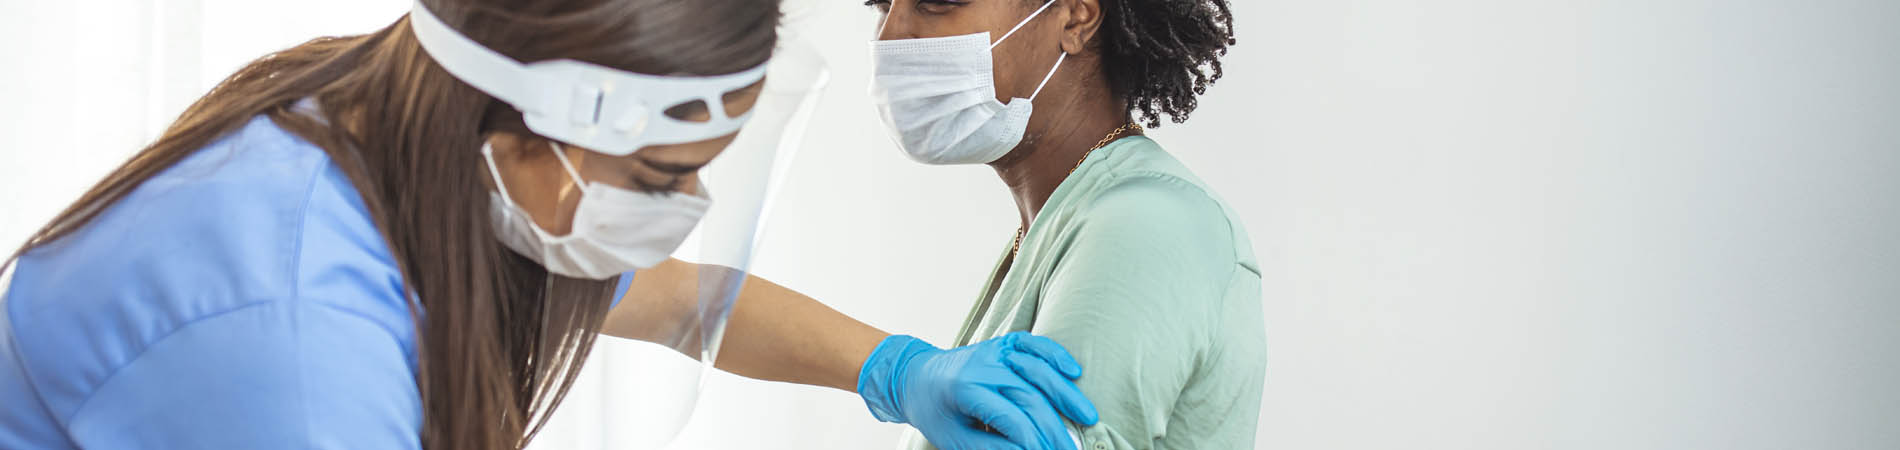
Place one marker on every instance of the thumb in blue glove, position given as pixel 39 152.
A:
pixel 1014 384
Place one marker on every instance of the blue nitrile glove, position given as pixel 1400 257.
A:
pixel 1007 384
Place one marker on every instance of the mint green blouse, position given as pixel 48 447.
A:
pixel 1149 279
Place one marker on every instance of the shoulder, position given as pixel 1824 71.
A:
pixel 1140 238
pixel 1137 195
pixel 289 372
pixel 259 220
pixel 1150 265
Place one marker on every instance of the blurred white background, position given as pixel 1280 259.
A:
pixel 1626 224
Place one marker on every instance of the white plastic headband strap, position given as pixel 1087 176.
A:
pixel 487 70
pixel 600 108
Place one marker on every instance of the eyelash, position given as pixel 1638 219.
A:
pixel 649 188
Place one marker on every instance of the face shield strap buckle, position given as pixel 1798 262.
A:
pixel 600 108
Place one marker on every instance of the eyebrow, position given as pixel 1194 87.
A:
pixel 670 168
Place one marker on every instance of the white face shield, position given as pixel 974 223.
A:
pixel 638 394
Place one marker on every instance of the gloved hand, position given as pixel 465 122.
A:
pixel 1007 384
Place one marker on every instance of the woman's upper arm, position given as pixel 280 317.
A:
pixel 270 375
pixel 656 303
pixel 1135 298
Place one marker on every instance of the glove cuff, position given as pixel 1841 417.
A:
pixel 879 379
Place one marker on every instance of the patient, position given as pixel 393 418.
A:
pixel 1124 256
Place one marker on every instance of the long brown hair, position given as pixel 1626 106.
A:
pixel 502 339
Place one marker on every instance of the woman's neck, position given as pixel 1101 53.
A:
pixel 1044 159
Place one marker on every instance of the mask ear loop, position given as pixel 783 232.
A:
pixel 1052 74
pixel 488 153
pixel 562 155
pixel 1019 25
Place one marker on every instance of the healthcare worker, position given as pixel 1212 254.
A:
pixel 410 239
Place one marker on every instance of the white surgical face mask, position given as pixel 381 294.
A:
pixel 614 231
pixel 937 97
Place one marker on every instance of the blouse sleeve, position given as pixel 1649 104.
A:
pixel 270 375
pixel 1136 299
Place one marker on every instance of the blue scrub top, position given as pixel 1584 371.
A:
pixel 242 298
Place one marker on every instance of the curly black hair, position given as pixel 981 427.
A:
pixel 1161 54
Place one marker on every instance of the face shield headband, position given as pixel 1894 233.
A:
pixel 606 110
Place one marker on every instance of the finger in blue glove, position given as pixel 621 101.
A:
pixel 1014 384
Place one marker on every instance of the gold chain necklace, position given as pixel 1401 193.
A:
pixel 1018 244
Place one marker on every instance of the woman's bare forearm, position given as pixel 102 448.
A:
pixel 780 335
pixel 774 333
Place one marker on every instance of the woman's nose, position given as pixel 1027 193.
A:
pixel 893 25
pixel 689 184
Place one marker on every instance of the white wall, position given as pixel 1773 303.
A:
pixel 87 83
pixel 1602 224
pixel 1486 224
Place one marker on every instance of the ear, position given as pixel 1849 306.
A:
pixel 506 146
pixel 517 147
pixel 1083 20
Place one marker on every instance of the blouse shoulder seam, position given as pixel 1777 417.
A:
pixel 1211 203
pixel 146 349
